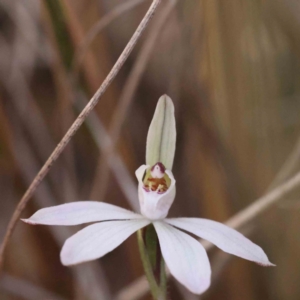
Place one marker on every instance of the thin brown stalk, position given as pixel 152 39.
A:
pixel 85 44
pixel 134 78
pixel 75 126
pixel 139 287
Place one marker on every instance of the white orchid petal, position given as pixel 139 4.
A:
pixel 185 257
pixel 224 237
pixel 80 212
pixel 97 240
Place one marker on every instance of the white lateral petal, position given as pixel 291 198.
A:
pixel 224 237
pixel 80 212
pixel 97 240
pixel 139 173
pixel 185 257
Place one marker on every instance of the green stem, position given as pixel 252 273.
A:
pixel 151 244
pixel 147 266
pixel 163 280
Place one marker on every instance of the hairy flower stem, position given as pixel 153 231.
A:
pixel 147 266
pixel 155 256
pixel 163 280
pixel 152 262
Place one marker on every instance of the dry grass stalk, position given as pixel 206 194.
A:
pixel 78 122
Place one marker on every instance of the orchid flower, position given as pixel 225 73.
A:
pixel 185 257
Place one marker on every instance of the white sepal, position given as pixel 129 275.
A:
pixel 155 206
pixel 80 212
pixel 161 138
pixel 185 257
pixel 97 240
pixel 224 237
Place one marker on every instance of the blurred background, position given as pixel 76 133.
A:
pixel 232 69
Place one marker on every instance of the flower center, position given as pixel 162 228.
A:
pixel 156 180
